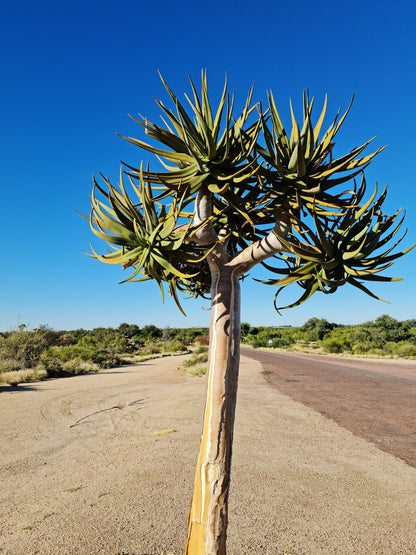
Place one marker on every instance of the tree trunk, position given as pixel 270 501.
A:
pixel 208 517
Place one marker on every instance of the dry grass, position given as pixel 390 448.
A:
pixel 76 366
pixel 197 364
pixel 198 370
pixel 15 377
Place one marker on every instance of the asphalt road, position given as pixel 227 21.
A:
pixel 374 399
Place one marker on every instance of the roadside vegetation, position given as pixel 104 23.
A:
pixel 384 337
pixel 34 354
pixel 196 365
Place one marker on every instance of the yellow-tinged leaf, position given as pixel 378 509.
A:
pixel 318 126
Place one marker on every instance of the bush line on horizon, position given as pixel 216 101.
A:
pixel 31 355
pixel 383 337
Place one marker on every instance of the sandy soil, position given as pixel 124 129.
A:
pixel 104 464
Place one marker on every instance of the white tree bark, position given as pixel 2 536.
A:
pixel 208 517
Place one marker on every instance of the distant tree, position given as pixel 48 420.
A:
pixel 129 330
pixel 49 335
pixel 237 190
pixel 78 333
pixel 151 332
pixel 391 329
pixel 166 334
pixel 67 339
pixel 317 328
pixel 245 328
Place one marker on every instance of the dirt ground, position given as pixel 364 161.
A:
pixel 104 464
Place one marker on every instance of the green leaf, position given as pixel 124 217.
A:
pixel 310 290
pixel 318 126
pixel 367 291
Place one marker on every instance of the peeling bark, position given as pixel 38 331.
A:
pixel 208 516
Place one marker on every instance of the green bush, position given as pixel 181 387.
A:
pixel 281 342
pixel 173 346
pixel 150 349
pixel 277 342
pixel 315 329
pixel 333 345
pixel 24 346
pixel 405 350
pixel 363 347
pixel 10 365
pixel 402 349
pixel 88 350
pixel 51 364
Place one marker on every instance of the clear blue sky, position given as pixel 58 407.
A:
pixel 72 71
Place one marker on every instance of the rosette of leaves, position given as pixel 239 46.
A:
pixel 347 248
pixel 249 224
pixel 300 166
pixel 199 285
pixel 208 148
pixel 153 243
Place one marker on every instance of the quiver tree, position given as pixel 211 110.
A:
pixel 235 191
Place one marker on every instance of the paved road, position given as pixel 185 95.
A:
pixel 376 400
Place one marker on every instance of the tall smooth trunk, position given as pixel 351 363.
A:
pixel 208 517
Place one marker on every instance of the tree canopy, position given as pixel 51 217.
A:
pixel 252 174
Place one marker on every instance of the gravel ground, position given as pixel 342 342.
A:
pixel 104 464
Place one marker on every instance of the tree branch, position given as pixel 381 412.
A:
pixel 265 248
pixel 206 235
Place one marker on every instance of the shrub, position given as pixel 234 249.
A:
pixel 199 370
pixel 333 345
pixel 197 364
pixel 51 364
pixel 280 342
pixel 259 342
pixel 173 346
pixel 67 339
pixel 277 342
pixel 202 339
pixel 24 346
pixel 196 358
pixel 15 377
pixel 10 365
pixel 405 350
pixel 77 366
pixel 363 347
pixel 316 328
pixel 150 349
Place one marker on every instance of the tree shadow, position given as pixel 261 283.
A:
pixel 17 388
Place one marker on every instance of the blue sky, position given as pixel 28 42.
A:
pixel 72 71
